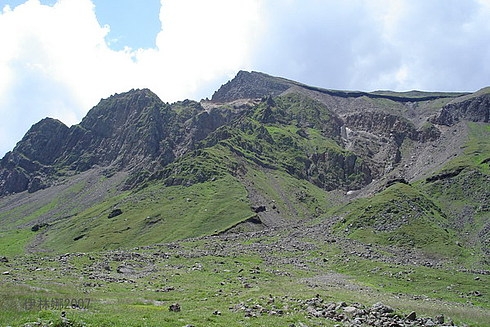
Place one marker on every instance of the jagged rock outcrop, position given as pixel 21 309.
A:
pixel 44 142
pixel 130 131
pixel 28 166
pixel 475 109
pixel 334 139
pixel 334 170
pixel 381 123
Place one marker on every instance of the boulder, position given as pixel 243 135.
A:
pixel 114 213
pixel 175 307
pixel 411 316
pixel 381 308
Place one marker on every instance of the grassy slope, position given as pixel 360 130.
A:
pixel 465 197
pixel 154 214
pixel 401 216
pixel 437 217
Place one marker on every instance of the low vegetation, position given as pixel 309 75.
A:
pixel 295 206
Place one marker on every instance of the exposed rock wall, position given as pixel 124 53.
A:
pixel 475 109
pixel 136 131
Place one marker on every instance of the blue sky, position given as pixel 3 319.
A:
pixel 58 58
pixel 133 23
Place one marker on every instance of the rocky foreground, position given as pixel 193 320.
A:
pixel 354 314
pixel 137 269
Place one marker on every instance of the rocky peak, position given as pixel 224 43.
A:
pixel 118 110
pixel 131 131
pixel 43 141
pixel 29 165
pixel 250 85
pixel 135 131
pixel 124 130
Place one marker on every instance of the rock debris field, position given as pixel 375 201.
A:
pixel 277 248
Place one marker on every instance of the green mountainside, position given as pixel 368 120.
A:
pixel 263 152
pixel 272 186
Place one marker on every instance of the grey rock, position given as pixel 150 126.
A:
pixel 411 316
pixel 429 323
pixel 439 319
pixel 350 309
pixel 175 307
pixel 381 308
pixel 125 270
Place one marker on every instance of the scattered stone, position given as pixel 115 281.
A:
pixel 258 209
pixel 114 213
pixel 4 259
pixel 429 323
pixel 174 307
pixel 217 313
pixel 125 270
pixel 37 227
pixel 381 308
pixel 166 289
pixel 440 319
pixel 411 316
pixel 475 293
pixel 350 310
pixel 6 273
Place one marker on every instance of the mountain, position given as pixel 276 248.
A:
pixel 265 152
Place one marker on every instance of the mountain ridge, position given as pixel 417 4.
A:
pixel 276 150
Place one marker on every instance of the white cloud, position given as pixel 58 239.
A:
pixel 378 44
pixel 199 41
pixel 56 61
pixel 51 56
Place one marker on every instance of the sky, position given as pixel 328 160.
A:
pixel 58 58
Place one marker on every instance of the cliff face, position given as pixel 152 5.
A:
pixel 264 152
pixel 475 109
pixel 131 131
pixel 123 131
pixel 29 165
pixel 334 139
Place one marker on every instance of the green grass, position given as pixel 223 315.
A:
pixel 418 281
pixel 26 213
pixel 13 242
pixel 153 214
pixel 201 286
pixel 401 216
pixel 294 199
pixel 476 149
pixel 202 283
